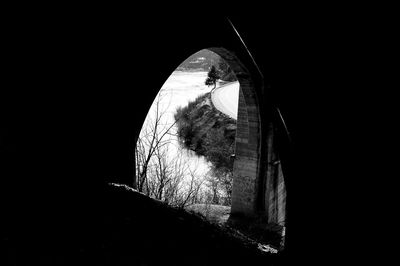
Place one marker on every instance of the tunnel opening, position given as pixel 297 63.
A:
pixel 254 198
pixel 183 154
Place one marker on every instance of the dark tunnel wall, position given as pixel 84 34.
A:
pixel 78 87
pixel 79 93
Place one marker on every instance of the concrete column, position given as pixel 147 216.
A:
pixel 246 165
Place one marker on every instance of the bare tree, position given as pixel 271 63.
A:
pixel 152 137
pixel 160 175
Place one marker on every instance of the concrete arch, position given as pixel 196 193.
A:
pixel 259 189
pixel 247 165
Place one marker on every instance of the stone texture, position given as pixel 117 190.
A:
pixel 253 182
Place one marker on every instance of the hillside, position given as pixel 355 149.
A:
pixel 208 132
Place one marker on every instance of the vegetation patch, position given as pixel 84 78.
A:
pixel 214 213
pixel 209 133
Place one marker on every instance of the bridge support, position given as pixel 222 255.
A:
pixel 258 190
pixel 246 170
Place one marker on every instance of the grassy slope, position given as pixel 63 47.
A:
pixel 212 212
pixel 256 230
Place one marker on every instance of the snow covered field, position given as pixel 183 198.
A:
pixel 180 88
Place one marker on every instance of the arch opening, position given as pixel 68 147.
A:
pixel 258 190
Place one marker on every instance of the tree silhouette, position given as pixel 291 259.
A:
pixel 212 77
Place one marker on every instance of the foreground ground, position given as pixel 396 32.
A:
pixel 124 227
pixel 214 213
pixel 161 235
pixel 267 235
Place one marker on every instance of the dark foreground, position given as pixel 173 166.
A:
pixel 132 229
